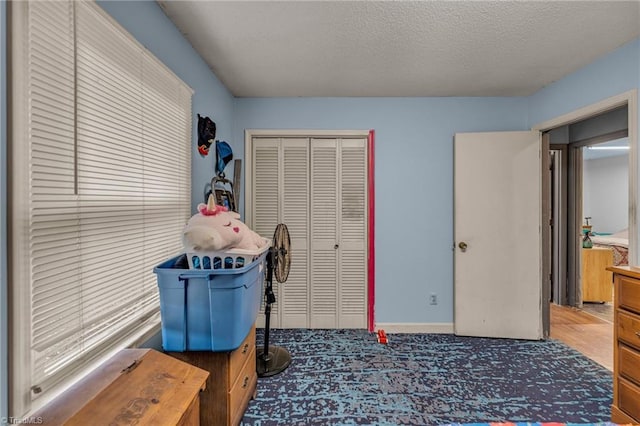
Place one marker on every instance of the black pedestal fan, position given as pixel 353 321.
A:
pixel 272 360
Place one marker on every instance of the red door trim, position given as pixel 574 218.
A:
pixel 371 233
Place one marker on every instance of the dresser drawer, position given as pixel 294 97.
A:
pixel 628 328
pixel 629 294
pixel 231 384
pixel 243 389
pixel 239 357
pixel 629 398
pixel 629 363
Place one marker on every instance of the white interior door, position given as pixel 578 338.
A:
pixel 497 235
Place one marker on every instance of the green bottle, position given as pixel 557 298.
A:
pixel 586 241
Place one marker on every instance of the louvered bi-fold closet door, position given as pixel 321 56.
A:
pixel 266 201
pixel 281 188
pixel 324 233
pixel 352 252
pixel 317 187
pixel 294 294
pixel 338 233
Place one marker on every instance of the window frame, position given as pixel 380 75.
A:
pixel 21 399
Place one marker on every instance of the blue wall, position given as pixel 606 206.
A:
pixel 151 27
pixel 414 182
pixel 614 73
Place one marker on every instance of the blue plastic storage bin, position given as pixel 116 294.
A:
pixel 208 310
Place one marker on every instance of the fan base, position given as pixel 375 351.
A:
pixel 277 360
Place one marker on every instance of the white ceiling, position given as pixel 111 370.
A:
pixel 400 48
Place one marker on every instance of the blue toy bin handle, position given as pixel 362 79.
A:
pixel 187 277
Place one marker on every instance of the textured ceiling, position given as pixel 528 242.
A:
pixel 400 48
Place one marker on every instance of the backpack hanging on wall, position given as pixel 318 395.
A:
pixel 224 155
pixel 206 134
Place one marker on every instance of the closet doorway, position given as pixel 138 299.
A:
pixel 317 183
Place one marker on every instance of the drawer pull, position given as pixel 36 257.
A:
pixel 638 333
pixel 245 348
pixel 246 382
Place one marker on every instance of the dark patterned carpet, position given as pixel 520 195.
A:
pixel 345 377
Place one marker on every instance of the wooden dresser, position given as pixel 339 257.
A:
pixel 626 340
pixel 136 386
pixel 231 384
pixel 597 282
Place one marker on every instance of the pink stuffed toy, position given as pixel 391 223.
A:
pixel 215 228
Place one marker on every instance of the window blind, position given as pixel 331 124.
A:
pixel 108 135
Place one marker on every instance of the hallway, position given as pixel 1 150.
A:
pixel 588 334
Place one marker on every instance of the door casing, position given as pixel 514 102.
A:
pixel 630 99
pixel 246 202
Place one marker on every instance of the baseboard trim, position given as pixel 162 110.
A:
pixel 415 327
pixel 392 327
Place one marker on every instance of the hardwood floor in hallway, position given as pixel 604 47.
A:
pixel 586 333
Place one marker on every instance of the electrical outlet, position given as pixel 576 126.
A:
pixel 433 299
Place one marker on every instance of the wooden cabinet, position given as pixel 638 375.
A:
pixel 596 280
pixel 232 381
pixel 626 350
pixel 137 386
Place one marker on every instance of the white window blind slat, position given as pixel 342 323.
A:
pixel 58 100
pixel 98 159
pixel 46 186
pixel 49 168
pixel 93 127
pixel 126 111
pixel 48 17
pixel 112 73
pixel 55 146
pixel 51 294
pixel 54 289
pixel 109 152
pixel 58 65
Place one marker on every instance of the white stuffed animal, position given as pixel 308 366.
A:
pixel 215 228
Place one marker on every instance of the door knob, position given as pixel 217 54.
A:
pixel 463 246
pixel 336 246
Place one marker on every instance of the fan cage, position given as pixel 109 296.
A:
pixel 281 260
